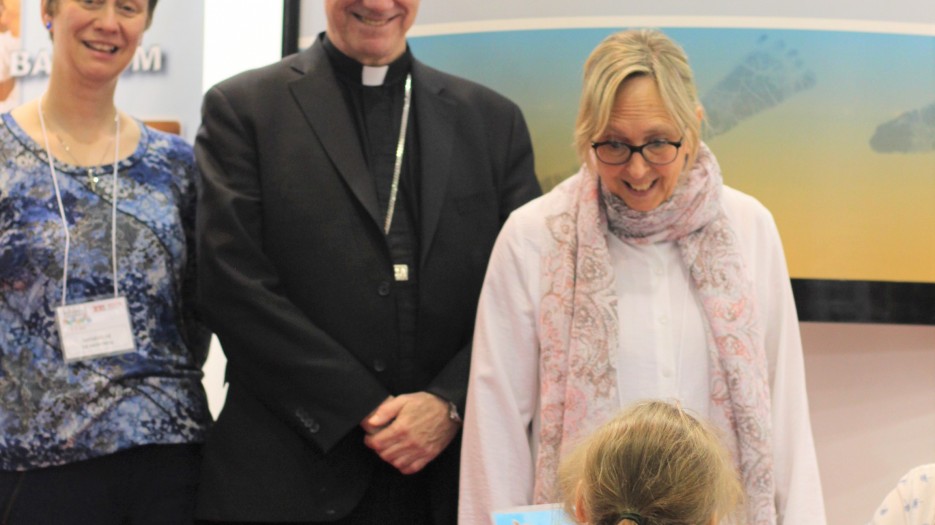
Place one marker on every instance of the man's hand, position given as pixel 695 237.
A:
pixel 410 430
pixel 373 429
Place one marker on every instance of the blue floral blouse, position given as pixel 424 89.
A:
pixel 912 501
pixel 51 412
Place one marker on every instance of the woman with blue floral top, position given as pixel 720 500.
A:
pixel 101 404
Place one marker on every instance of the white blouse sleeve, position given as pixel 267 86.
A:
pixel 799 498
pixel 498 442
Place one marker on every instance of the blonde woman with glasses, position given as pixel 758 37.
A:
pixel 642 276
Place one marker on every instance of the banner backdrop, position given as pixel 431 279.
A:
pixel 824 111
pixel 833 131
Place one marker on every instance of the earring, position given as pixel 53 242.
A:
pixel 48 25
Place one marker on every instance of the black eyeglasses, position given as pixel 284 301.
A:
pixel 656 152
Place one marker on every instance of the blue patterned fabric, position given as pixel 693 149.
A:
pixel 912 501
pixel 51 412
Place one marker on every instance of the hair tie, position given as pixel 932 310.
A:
pixel 634 517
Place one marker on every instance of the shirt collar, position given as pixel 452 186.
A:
pixel 359 74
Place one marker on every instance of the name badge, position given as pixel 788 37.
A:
pixel 95 329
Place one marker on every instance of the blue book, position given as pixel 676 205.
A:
pixel 550 514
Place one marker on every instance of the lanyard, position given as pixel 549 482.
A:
pixel 400 149
pixel 61 208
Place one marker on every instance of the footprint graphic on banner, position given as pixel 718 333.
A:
pixel 766 77
pixel 911 132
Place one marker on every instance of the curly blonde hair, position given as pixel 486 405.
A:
pixel 656 462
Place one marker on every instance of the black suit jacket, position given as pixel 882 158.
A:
pixel 296 280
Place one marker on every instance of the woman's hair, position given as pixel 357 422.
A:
pixel 653 461
pixel 52 5
pixel 632 53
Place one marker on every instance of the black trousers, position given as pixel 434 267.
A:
pixel 154 484
pixel 391 499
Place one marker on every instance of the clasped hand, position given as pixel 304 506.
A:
pixel 410 430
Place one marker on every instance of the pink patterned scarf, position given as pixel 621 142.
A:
pixel 578 322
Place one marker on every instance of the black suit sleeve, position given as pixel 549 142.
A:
pixel 517 185
pixel 300 373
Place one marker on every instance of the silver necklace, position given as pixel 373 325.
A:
pixel 61 208
pixel 400 271
pixel 400 149
pixel 92 178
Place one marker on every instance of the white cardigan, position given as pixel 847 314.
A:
pixel 662 356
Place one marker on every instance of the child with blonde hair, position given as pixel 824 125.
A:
pixel 653 464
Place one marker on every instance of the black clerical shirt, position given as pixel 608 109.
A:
pixel 377 111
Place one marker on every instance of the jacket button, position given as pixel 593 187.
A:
pixel 307 421
pixel 383 289
pixel 379 365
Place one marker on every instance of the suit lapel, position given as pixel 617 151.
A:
pixel 319 96
pixel 435 113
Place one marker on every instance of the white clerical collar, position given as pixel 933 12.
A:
pixel 373 75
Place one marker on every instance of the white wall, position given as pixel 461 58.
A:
pixel 238 36
pixel 871 387
pixel 916 11
pixel 872 394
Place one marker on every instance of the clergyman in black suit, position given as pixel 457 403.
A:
pixel 350 199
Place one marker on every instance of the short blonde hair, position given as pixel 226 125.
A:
pixel 656 461
pixel 631 53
